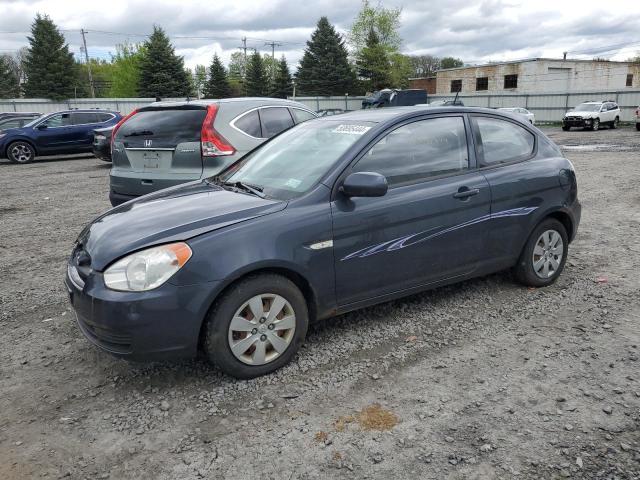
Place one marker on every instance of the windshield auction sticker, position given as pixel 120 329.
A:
pixel 351 129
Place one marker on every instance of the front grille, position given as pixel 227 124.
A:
pixel 105 338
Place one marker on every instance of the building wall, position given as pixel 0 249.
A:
pixel 426 83
pixel 543 76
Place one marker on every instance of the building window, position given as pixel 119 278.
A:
pixel 511 81
pixel 629 79
pixel 456 86
pixel 482 83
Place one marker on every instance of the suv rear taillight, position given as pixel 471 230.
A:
pixel 118 125
pixel 213 144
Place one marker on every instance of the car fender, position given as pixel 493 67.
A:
pixel 17 138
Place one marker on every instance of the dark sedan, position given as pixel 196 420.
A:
pixel 332 215
pixel 102 143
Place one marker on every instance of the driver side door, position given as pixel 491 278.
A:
pixel 431 224
pixel 54 134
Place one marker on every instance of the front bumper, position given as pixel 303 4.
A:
pixel 577 122
pixel 160 324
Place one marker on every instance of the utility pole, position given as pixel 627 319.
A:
pixel 86 56
pixel 273 57
pixel 244 66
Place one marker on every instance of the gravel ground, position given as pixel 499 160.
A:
pixel 485 379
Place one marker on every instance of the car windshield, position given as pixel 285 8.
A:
pixel 292 163
pixel 588 107
pixel 34 121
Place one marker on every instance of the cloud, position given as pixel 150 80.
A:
pixel 474 31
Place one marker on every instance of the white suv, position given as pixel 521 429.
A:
pixel 592 115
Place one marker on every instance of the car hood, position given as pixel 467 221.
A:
pixel 574 113
pixel 170 215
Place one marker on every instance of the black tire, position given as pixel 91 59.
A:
pixel 21 152
pixel 638 126
pixel 596 124
pixel 566 128
pixel 216 342
pixel 614 124
pixel 524 270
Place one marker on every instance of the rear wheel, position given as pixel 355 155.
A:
pixel 638 126
pixel 544 255
pixel 256 326
pixel 566 128
pixel 615 123
pixel 21 152
pixel 596 124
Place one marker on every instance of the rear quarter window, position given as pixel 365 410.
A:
pixel 302 115
pixel 249 123
pixel 166 128
pixel 502 141
pixel 275 120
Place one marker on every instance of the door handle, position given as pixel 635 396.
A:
pixel 465 192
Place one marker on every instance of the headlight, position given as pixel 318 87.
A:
pixel 147 269
pixel 100 137
pixel 3 135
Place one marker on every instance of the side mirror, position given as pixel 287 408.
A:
pixel 42 126
pixel 364 184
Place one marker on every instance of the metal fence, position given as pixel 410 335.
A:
pixel 547 107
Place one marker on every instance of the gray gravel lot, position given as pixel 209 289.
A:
pixel 486 379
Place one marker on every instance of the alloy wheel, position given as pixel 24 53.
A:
pixel 262 329
pixel 596 124
pixel 547 254
pixel 21 153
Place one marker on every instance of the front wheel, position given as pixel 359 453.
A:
pixel 21 152
pixel 596 124
pixel 544 255
pixel 566 128
pixel 256 326
pixel 638 126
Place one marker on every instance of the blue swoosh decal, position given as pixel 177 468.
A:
pixel 420 237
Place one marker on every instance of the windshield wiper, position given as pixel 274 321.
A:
pixel 253 189
pixel 139 133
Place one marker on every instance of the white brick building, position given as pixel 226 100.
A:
pixel 539 75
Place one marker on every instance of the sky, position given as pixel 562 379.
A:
pixel 475 31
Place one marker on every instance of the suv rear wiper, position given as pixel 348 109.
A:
pixel 253 189
pixel 139 133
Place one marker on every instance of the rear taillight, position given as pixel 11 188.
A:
pixel 213 144
pixel 118 125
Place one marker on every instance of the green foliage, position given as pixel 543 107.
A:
pixel 217 85
pixel 256 78
pixel 424 65
pixel 384 22
pixel 49 66
pixel 9 82
pixel 199 79
pixel 450 62
pixel 282 85
pixel 401 70
pixel 162 72
pixel 125 70
pixel 372 63
pixel 324 68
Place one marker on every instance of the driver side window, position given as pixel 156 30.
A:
pixel 58 120
pixel 419 150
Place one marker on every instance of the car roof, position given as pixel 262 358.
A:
pixel 380 115
pixel 253 100
pixel 83 110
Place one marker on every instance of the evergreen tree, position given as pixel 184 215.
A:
pixel 217 85
pixel 282 85
pixel 162 72
pixel 9 82
pixel 256 78
pixel 373 63
pixel 324 68
pixel 49 66
pixel 200 80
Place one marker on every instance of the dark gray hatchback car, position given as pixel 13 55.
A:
pixel 168 143
pixel 332 215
